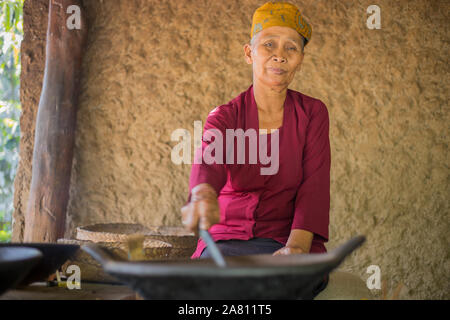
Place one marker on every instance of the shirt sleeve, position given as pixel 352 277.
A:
pixel 214 174
pixel 312 202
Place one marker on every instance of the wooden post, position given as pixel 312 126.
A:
pixel 45 216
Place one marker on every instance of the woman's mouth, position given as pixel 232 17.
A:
pixel 277 70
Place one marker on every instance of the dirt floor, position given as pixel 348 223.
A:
pixel 88 291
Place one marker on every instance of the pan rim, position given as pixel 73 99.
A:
pixel 313 264
pixel 28 254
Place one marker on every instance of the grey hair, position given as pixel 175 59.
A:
pixel 253 41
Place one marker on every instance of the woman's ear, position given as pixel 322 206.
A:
pixel 248 53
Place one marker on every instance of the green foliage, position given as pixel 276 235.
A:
pixel 11 34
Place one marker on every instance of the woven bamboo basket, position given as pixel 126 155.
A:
pixel 109 232
pixel 183 242
pixel 91 270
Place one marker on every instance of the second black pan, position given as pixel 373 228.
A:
pixel 15 264
pixel 53 257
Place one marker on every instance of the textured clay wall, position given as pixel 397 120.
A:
pixel 154 66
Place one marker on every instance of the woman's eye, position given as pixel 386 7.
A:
pixel 268 44
pixel 292 48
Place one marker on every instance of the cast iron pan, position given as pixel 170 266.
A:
pixel 53 257
pixel 15 263
pixel 244 277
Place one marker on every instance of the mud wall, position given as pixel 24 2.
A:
pixel 154 66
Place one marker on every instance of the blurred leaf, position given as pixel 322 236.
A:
pixel 17 14
pixel 11 144
pixel 5 236
pixel 16 55
pixel 9 122
pixel 11 35
pixel 7 20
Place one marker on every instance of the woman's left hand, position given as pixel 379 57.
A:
pixel 299 241
pixel 288 250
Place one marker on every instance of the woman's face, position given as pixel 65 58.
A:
pixel 276 55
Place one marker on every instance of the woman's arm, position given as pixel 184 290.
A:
pixel 312 201
pixel 206 180
pixel 214 174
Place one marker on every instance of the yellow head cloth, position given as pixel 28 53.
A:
pixel 280 14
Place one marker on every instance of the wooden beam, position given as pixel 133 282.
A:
pixel 45 216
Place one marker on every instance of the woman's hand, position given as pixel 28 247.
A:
pixel 299 241
pixel 203 209
pixel 287 251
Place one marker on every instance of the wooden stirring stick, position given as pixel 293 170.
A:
pixel 135 253
pixel 136 247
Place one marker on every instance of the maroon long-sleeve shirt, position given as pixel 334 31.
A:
pixel 270 206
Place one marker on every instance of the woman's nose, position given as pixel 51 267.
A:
pixel 278 57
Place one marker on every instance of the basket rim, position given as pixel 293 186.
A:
pixel 147 243
pixel 88 233
pixel 152 230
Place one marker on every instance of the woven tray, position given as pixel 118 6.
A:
pixel 183 242
pixel 109 232
pixel 91 270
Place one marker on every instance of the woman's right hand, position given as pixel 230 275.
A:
pixel 203 209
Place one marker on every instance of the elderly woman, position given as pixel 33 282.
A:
pixel 246 211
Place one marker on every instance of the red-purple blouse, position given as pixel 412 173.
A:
pixel 270 206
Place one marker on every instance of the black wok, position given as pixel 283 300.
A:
pixel 53 257
pixel 244 277
pixel 15 264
